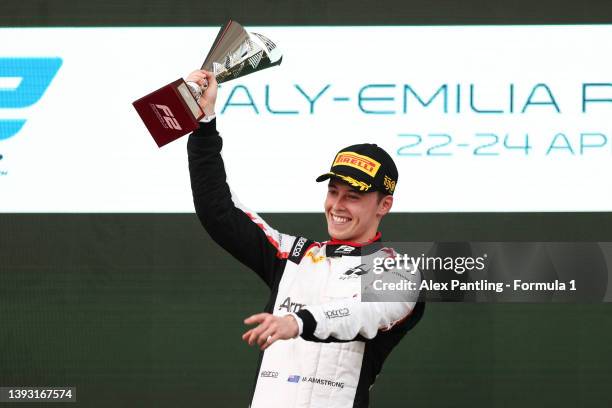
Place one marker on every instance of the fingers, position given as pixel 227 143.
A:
pixel 270 329
pixel 210 77
pixel 265 340
pixel 269 341
pixel 196 76
pixel 266 335
pixel 201 77
pixel 208 83
pixel 256 318
pixel 246 335
pixel 265 320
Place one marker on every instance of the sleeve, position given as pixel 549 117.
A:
pixel 241 232
pixel 351 320
pixel 355 319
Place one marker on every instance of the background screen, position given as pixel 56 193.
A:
pixel 108 282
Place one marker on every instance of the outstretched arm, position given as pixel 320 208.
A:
pixel 343 320
pixel 381 306
pixel 351 320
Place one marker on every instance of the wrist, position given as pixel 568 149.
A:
pixel 208 117
pixel 209 111
pixel 309 324
pixel 298 323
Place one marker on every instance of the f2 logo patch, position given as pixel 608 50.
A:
pixel 34 76
pixel 166 117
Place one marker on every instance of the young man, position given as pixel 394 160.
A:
pixel 321 345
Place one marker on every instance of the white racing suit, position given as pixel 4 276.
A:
pixel 344 341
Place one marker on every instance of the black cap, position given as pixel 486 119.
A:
pixel 366 167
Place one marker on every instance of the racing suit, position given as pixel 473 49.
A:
pixel 343 341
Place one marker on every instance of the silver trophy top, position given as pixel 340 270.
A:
pixel 236 53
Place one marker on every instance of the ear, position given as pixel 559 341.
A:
pixel 384 206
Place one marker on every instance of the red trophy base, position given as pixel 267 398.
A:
pixel 170 112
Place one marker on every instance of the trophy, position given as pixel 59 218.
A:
pixel 173 110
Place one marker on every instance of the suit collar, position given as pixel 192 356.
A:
pixel 336 247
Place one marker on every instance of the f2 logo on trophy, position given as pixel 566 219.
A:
pixel 166 117
pixel 173 111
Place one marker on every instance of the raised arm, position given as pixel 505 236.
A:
pixel 239 231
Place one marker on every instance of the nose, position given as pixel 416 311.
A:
pixel 338 203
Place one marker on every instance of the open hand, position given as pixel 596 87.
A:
pixel 270 328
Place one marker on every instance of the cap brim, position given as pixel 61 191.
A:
pixel 356 184
pixel 325 176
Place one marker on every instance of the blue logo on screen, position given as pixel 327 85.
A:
pixel 35 76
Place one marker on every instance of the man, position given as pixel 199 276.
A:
pixel 322 346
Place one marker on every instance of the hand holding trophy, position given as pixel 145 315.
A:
pixel 203 87
pixel 175 109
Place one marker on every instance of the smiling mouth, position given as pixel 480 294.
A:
pixel 339 220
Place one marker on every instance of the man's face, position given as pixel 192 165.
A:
pixel 352 215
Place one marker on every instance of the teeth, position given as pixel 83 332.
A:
pixel 340 219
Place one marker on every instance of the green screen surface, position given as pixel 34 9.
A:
pixel 146 310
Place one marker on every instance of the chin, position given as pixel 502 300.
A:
pixel 339 234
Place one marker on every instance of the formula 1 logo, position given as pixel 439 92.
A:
pixel 32 77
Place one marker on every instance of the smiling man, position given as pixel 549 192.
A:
pixel 358 196
pixel 322 346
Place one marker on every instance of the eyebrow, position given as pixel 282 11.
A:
pixel 351 191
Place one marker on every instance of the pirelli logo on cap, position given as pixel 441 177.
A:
pixel 357 161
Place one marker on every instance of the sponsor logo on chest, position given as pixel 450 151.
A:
pixel 355 272
pixel 290 306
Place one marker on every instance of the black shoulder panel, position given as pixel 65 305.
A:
pixel 299 248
